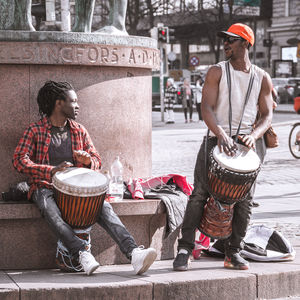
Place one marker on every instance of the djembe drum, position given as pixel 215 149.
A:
pixel 79 194
pixel 230 179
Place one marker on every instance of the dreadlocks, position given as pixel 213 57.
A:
pixel 49 93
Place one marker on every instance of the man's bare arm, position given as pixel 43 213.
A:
pixel 209 98
pixel 265 108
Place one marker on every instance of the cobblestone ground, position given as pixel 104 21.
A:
pixel 289 230
pixel 280 166
pixel 175 149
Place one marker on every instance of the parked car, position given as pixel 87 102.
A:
pixel 287 88
pixel 294 87
pixel 279 85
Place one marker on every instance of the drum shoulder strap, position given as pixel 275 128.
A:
pixel 250 85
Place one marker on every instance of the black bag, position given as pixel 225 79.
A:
pixel 16 193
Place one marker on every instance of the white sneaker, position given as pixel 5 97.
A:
pixel 88 262
pixel 142 259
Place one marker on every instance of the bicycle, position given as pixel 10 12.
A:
pixel 294 136
pixel 294 140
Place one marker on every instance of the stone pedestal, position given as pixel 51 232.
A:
pixel 112 77
pixel 28 243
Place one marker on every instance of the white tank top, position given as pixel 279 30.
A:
pixel 239 86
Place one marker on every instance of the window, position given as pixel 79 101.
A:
pixel 199 48
pixel 260 54
pixel 289 53
pixel 294 7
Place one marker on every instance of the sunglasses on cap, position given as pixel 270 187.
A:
pixel 231 39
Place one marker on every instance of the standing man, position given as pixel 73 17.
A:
pixel 55 143
pixel 215 111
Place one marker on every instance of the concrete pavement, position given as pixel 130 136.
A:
pixel 175 147
pixel 174 151
pixel 206 279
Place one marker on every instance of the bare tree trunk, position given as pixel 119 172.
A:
pixel 151 14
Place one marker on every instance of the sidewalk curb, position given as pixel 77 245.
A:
pixel 206 279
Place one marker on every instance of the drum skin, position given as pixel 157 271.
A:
pixel 216 223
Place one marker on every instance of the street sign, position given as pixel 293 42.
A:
pixel 194 60
pixel 171 56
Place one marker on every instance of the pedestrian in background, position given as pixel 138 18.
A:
pixel 199 97
pixel 187 101
pixel 170 99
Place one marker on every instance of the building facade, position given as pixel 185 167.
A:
pixel 284 33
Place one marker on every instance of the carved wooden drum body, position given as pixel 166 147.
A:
pixel 229 181
pixel 79 194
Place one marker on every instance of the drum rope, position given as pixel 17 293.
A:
pixel 65 254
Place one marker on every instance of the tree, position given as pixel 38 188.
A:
pixel 195 21
pixel 207 17
pixel 141 14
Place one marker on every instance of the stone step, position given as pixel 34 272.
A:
pixel 206 279
pixel 28 243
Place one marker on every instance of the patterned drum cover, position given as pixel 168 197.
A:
pixel 216 221
pixel 230 179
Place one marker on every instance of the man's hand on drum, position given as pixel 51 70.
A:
pixel 83 157
pixel 61 167
pixel 227 144
pixel 248 140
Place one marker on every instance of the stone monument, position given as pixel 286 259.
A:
pixel 111 74
pixel 16 15
pixel 116 21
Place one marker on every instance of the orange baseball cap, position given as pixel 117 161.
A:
pixel 239 30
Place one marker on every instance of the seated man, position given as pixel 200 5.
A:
pixel 48 146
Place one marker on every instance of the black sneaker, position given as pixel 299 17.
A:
pixel 255 204
pixel 235 261
pixel 181 262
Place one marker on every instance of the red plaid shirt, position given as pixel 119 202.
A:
pixel 31 155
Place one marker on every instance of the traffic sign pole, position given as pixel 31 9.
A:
pixel 161 81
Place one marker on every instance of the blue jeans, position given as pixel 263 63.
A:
pixel 195 205
pixel 44 199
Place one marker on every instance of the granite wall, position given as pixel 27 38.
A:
pixel 112 77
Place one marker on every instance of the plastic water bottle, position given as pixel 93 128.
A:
pixel 116 183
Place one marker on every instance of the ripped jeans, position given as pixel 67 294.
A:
pixel 44 199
